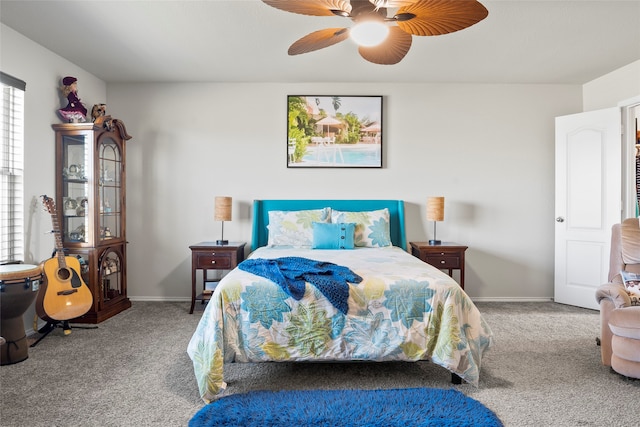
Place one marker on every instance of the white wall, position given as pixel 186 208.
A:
pixel 610 89
pixel 489 149
pixel 42 71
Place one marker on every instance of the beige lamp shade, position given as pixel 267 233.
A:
pixel 435 209
pixel 222 212
pixel 222 209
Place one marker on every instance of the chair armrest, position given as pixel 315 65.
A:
pixel 615 293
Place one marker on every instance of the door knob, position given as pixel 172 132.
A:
pixel 560 219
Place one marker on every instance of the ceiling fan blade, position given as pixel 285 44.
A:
pixel 311 7
pixel 318 40
pixel 436 17
pixel 391 51
pixel 391 3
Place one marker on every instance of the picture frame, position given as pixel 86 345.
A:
pixel 326 131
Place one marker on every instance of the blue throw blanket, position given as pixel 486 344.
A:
pixel 291 273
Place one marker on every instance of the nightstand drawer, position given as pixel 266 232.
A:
pixel 443 261
pixel 214 260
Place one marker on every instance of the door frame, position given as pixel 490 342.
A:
pixel 628 107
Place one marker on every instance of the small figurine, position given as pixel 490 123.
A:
pixel 100 117
pixel 75 111
pixel 98 112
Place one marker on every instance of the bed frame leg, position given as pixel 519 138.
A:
pixel 455 379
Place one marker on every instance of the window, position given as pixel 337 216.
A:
pixel 11 170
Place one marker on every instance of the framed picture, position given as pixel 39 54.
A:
pixel 334 131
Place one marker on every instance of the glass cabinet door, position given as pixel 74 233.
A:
pixel 109 189
pixel 75 188
pixel 111 275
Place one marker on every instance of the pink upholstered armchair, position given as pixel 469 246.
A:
pixel 619 319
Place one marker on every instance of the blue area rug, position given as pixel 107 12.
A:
pixel 354 408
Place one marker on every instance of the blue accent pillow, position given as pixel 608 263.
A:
pixel 333 236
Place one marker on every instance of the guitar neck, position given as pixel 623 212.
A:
pixel 57 232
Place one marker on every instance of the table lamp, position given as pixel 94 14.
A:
pixel 435 213
pixel 222 213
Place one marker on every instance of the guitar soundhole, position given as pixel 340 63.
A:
pixel 64 274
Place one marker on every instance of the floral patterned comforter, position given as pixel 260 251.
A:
pixel 403 309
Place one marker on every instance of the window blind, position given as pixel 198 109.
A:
pixel 11 169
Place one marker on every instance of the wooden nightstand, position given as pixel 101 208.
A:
pixel 446 256
pixel 210 256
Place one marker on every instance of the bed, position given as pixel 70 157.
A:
pixel 351 292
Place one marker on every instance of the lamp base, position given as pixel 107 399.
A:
pixel 222 242
pixel 435 242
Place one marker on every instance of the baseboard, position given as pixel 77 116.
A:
pixel 511 299
pixel 160 299
pixel 478 299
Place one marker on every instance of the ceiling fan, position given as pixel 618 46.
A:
pixel 417 17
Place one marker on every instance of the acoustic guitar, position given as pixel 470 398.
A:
pixel 63 294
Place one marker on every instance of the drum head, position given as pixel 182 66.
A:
pixel 19 271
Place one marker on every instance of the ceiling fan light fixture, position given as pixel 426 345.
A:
pixel 369 33
pixel 382 39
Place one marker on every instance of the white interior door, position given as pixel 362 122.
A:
pixel 588 202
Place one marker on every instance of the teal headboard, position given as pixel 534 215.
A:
pixel 261 208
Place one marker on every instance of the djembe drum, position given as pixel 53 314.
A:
pixel 19 284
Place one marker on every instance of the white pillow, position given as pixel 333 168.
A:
pixel 295 228
pixel 372 227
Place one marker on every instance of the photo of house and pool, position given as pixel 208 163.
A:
pixel 334 131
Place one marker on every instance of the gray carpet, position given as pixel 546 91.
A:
pixel 134 371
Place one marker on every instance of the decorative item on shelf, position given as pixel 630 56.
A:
pixel 84 267
pixel 75 111
pixel 81 210
pixel 100 118
pixel 222 213
pixel 73 172
pixel 78 234
pixel 70 206
pixel 435 213
pixel 105 176
pixel 105 233
pixel 98 112
pixel 110 266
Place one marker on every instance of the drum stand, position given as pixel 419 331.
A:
pixel 53 324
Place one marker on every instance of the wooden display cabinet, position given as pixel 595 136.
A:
pixel 90 203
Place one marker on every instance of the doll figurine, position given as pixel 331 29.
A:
pixel 74 111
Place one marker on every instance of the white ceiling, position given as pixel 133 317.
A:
pixel 543 41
